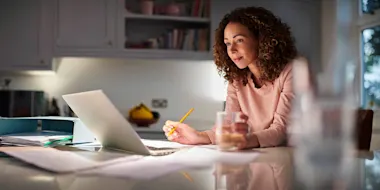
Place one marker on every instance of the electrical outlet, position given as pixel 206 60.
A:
pixel 159 103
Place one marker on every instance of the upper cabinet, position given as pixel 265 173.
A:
pixel 166 29
pixel 35 31
pixel 85 24
pixel 146 29
pixel 25 35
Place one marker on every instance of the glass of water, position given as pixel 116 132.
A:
pixel 228 177
pixel 227 134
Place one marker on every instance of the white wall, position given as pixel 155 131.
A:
pixel 185 84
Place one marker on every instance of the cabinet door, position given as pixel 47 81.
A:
pixel 22 42
pixel 85 24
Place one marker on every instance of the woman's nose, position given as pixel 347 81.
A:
pixel 233 48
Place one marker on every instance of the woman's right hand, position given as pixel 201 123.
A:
pixel 185 134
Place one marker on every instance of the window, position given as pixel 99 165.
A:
pixel 370 6
pixel 370 48
pixel 372 171
pixel 371 65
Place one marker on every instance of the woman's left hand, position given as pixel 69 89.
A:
pixel 249 140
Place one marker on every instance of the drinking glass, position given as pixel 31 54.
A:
pixel 232 176
pixel 227 135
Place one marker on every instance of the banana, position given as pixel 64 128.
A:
pixel 141 112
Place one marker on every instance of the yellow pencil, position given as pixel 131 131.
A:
pixel 182 119
pixel 187 176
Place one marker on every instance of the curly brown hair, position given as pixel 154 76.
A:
pixel 276 45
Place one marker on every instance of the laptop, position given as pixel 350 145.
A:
pixel 108 125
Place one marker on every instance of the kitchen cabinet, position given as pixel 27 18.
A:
pixel 84 25
pixel 25 35
pixel 103 28
pixel 35 31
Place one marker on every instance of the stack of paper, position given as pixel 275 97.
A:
pixel 33 139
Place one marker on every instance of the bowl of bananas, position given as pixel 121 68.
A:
pixel 142 116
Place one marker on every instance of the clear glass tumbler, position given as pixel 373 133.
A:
pixel 232 177
pixel 227 134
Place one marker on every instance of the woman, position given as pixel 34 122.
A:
pixel 253 50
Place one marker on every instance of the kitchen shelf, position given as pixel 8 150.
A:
pixel 132 53
pixel 168 54
pixel 199 20
pixel 162 36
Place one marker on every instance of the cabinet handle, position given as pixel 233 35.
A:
pixel 42 62
pixel 110 43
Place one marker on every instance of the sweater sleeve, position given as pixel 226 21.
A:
pixel 276 133
pixel 232 105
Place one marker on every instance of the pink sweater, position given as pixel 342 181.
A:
pixel 268 107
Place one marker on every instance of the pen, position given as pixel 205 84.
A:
pixel 182 119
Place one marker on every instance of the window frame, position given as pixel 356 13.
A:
pixel 364 21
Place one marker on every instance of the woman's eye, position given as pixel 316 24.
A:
pixel 228 44
pixel 240 40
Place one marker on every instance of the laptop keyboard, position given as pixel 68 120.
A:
pixel 163 151
pixel 163 148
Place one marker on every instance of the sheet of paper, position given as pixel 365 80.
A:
pixel 162 144
pixel 169 144
pixel 141 169
pixel 151 167
pixel 150 143
pixel 146 142
pixel 59 161
pixel 201 156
